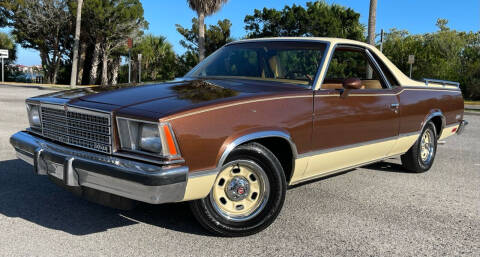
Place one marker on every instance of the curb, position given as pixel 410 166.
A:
pixel 468 112
pixel 43 86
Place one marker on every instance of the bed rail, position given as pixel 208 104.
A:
pixel 442 82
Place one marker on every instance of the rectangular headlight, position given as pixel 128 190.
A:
pixel 144 137
pixel 33 111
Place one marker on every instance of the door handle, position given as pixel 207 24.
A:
pixel 394 107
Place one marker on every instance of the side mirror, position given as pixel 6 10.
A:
pixel 352 83
pixel 349 84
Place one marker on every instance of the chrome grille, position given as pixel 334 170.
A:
pixel 78 127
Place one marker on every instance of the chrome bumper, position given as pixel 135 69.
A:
pixel 118 176
pixel 461 127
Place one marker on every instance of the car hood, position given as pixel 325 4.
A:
pixel 168 97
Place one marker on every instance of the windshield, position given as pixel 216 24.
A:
pixel 284 61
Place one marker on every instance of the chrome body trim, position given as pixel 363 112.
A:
pixel 429 117
pixel 253 136
pixel 443 82
pixel 379 69
pixel 202 173
pixel 462 126
pixel 131 179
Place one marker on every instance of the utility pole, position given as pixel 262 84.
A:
pixel 139 68
pixel 130 45
pixel 73 76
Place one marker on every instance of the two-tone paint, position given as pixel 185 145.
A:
pixel 317 131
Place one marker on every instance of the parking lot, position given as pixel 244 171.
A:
pixel 377 210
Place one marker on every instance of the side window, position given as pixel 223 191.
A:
pixel 351 63
pixel 386 71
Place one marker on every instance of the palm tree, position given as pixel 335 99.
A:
pixel 204 8
pixel 372 19
pixel 73 77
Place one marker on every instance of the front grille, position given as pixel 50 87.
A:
pixel 78 127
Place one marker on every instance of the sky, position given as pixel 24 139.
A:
pixel 416 16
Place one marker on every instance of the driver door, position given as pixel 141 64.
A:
pixel 359 128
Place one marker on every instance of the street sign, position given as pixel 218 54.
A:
pixel 130 43
pixel 140 57
pixel 411 59
pixel 4 53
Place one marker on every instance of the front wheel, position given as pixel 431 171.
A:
pixel 247 195
pixel 420 157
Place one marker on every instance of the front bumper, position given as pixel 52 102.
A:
pixel 118 176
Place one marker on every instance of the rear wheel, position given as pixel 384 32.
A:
pixel 422 154
pixel 247 195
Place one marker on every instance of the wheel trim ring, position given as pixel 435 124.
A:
pixel 253 209
pixel 426 147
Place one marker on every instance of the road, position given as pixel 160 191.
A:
pixel 378 210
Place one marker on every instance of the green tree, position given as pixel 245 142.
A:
pixel 158 58
pixel 113 22
pixel 45 26
pixel 317 19
pixel 204 8
pixel 216 36
pixel 445 54
pixel 7 42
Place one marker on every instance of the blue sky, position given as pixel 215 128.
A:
pixel 417 16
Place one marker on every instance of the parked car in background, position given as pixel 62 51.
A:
pixel 250 120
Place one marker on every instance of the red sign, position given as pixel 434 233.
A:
pixel 130 43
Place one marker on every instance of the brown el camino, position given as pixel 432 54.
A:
pixel 254 118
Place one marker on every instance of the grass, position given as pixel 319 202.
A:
pixel 472 102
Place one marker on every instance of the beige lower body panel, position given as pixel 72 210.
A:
pixel 199 186
pixel 448 131
pixel 324 164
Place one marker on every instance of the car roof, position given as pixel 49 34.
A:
pixel 330 40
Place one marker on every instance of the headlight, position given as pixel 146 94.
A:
pixel 146 137
pixel 34 115
pixel 150 138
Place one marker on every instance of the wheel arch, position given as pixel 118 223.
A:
pixel 438 119
pixel 279 142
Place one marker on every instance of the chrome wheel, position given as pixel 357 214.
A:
pixel 241 190
pixel 427 146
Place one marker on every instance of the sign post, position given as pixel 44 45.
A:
pixel 3 55
pixel 411 61
pixel 139 68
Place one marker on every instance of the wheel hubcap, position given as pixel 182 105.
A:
pixel 237 189
pixel 240 191
pixel 426 146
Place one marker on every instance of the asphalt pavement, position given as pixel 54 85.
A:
pixel 378 210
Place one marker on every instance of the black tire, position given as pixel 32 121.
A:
pixel 412 160
pixel 213 221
